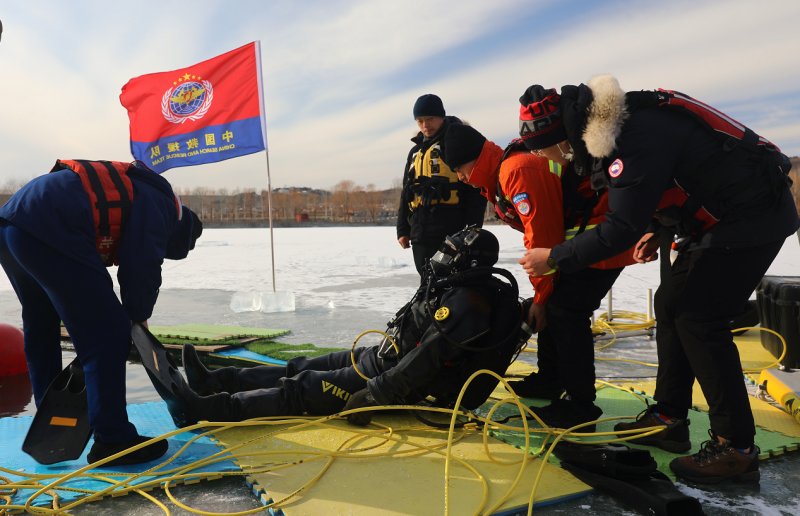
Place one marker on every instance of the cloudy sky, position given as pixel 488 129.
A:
pixel 341 76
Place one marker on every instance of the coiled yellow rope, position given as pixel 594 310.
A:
pixel 120 483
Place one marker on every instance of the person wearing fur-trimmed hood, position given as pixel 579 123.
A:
pixel 675 182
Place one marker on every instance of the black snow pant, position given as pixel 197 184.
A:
pixel 698 297
pixel 566 346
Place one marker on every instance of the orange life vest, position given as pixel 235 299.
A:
pixel 110 194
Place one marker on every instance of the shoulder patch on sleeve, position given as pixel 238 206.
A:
pixel 615 168
pixel 521 203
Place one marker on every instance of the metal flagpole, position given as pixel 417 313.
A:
pixel 266 153
pixel 269 207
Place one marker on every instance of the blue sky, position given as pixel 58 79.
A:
pixel 341 76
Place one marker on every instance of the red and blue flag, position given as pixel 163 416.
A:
pixel 207 112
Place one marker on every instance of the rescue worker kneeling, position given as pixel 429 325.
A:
pixel 466 316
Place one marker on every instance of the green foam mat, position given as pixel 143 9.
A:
pixel 254 340
pixel 618 403
pixel 251 342
pixel 214 333
pixel 283 351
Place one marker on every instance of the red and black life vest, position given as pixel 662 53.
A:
pixel 110 194
pixel 678 208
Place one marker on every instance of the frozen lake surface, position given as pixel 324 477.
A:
pixel 349 279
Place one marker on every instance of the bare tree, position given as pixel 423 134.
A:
pixel 342 198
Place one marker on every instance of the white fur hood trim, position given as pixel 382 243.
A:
pixel 605 116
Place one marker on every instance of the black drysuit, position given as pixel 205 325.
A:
pixel 478 327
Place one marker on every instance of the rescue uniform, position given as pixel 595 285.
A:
pixel 533 189
pixel 50 250
pixel 645 153
pixel 477 328
pixel 433 202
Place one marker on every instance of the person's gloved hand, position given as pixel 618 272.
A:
pixel 359 399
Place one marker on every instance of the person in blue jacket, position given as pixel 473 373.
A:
pixel 58 235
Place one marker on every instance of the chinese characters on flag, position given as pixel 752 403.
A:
pixel 207 112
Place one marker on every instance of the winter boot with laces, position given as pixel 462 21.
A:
pixel 674 438
pixel 718 461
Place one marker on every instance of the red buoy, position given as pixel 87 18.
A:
pixel 12 351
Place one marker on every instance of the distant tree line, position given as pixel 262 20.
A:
pixel 346 203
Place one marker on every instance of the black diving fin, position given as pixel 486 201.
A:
pixel 629 475
pixel 60 429
pixel 162 371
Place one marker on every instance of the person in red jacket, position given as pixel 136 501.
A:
pixel 546 201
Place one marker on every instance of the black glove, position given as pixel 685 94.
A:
pixel 526 309
pixel 359 399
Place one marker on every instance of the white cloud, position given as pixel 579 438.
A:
pixel 341 76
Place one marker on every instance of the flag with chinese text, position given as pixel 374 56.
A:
pixel 207 112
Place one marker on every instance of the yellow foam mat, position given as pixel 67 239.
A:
pixel 362 472
pixel 752 353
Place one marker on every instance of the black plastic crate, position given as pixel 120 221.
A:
pixel 779 310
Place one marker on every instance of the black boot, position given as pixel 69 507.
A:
pixel 535 385
pixel 199 377
pixel 153 451
pixel 227 379
pixel 187 407
pixel 566 413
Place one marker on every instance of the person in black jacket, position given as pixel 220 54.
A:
pixel 466 317
pixel 58 235
pixel 723 201
pixel 433 203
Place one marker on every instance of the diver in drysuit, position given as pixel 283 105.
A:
pixel 466 317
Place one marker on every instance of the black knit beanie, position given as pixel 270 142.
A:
pixel 428 105
pixel 462 144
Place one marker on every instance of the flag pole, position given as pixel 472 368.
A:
pixel 269 207
pixel 266 154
